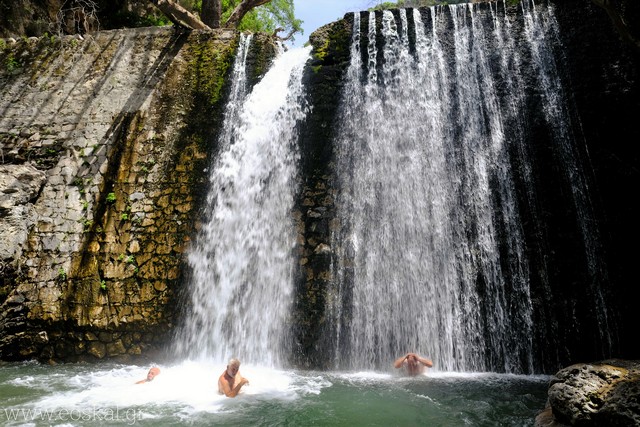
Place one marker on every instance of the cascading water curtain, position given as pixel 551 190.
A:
pixel 242 261
pixel 540 30
pixel 430 255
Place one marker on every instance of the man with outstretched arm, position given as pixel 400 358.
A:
pixel 412 363
pixel 230 382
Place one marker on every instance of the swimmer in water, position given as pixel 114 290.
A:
pixel 412 363
pixel 153 372
pixel 230 382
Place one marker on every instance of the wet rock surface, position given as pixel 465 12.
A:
pixel 605 393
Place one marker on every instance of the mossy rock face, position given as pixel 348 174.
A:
pixel 262 51
pixel 331 43
pixel 157 180
pixel 323 80
pixel 124 127
pixel 209 60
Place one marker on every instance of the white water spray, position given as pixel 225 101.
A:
pixel 241 261
pixel 425 181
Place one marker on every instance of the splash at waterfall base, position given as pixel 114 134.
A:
pixel 186 394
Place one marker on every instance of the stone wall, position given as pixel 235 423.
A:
pixel 104 141
pixel 315 212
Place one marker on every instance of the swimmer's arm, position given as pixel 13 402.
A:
pixel 224 388
pixel 426 362
pixel 399 361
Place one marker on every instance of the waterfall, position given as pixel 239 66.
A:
pixel 559 120
pixel 453 141
pixel 430 254
pixel 241 261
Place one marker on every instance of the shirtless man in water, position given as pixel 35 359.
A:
pixel 230 382
pixel 413 363
pixel 153 372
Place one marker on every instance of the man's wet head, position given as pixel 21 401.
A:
pixel 233 367
pixel 412 360
pixel 153 372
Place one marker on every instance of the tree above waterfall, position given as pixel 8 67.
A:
pixel 254 15
pixel 87 16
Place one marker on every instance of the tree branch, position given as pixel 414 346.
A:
pixel 179 15
pixel 287 37
pixel 241 10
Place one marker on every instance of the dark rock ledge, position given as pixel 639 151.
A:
pixel 601 394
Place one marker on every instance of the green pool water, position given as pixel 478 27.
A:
pixel 186 394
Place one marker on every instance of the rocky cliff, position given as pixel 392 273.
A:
pixel 104 141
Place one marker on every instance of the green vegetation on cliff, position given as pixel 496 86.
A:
pixel 422 3
pixel 413 3
pixel 36 17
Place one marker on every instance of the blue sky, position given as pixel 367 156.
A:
pixel 316 13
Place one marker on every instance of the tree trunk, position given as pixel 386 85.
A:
pixel 211 12
pixel 179 15
pixel 241 10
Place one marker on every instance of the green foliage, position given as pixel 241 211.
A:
pixel 321 52
pixel 191 4
pixel 11 63
pixel 417 3
pixel 62 275
pixel 386 5
pixel 124 217
pixel 265 18
pixel 88 223
pixel 111 198
pixel 103 285
pixel 154 21
pixel 210 61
